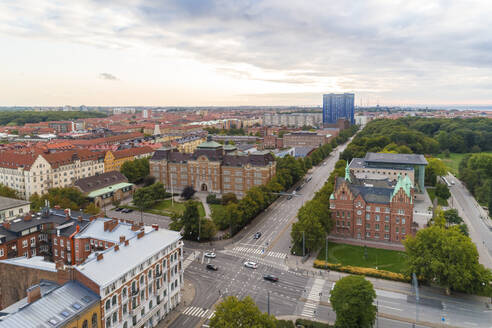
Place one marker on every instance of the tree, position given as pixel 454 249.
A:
pixel 352 300
pixel 314 235
pixel 8 192
pixel 207 229
pixel 447 257
pixel 36 202
pixel 442 191
pixel 148 180
pixel 229 198
pixel 188 192
pixel 92 209
pixel 189 219
pixel 135 171
pixel 319 211
pixel 143 199
pixel 452 217
pixel 233 313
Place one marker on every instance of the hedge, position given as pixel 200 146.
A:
pixel 370 272
pixel 311 324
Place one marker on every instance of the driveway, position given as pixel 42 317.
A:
pixel 148 218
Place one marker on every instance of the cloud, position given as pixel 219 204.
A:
pixel 402 48
pixel 107 76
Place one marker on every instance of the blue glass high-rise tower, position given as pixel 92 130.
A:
pixel 338 106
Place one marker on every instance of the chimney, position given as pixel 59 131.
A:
pixel 140 234
pixel 116 248
pixel 135 227
pixel 122 239
pixel 33 294
pixel 106 223
pixel 6 225
pixel 28 217
pixel 155 226
pixel 57 207
pixel 99 257
pixel 79 218
pixel 127 242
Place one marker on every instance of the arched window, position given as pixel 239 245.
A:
pixel 85 324
pixel 108 305
pixel 113 300
pixel 141 280
pixel 115 317
pixel 157 268
pixel 134 286
pixel 108 322
pixel 94 320
pixel 149 275
pixel 125 325
pixel 123 292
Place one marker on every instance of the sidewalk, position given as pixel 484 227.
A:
pixel 187 297
pixel 202 196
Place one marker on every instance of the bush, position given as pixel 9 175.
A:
pixel 212 199
pixel 311 324
pixel 370 272
pixel 285 324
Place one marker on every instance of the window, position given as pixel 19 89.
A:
pixel 150 305
pixel 24 243
pixel 378 217
pixel 397 220
pixel 348 215
pixel 387 218
pixel 368 234
pixel 115 316
pixel 108 322
pixel 94 320
pixel 125 308
pixel 1 252
pixel 368 216
pixel 401 212
pixel 56 252
pixel 348 224
pixel 124 292
pixel 402 220
pixel 149 275
pixel 338 214
pixel 386 227
pixel 358 204
pixel 377 209
pixel 359 221
pixel 368 226
pixel 376 235
pixel 377 227
pixel 113 300
pixel 343 223
pixel 142 295
pixel 403 230
pixel 368 208
pixel 87 247
pixel 141 279
pixel 61 242
pixel 108 305
pixel 386 236
pixel 85 324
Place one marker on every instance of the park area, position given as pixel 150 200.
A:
pixel 167 208
pixel 453 161
pixel 367 257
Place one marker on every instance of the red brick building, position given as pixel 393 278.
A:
pixel 372 209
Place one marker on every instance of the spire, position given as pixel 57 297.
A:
pixel 347 173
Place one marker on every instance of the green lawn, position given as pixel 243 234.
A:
pixel 215 206
pixel 165 207
pixel 384 259
pixel 453 161
pixel 432 195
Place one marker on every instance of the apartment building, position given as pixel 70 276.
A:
pixel 375 210
pixel 105 188
pixel 10 208
pixel 212 168
pixel 30 173
pixel 188 144
pixel 312 139
pixel 115 159
pixel 293 119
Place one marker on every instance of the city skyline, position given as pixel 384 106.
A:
pixel 186 53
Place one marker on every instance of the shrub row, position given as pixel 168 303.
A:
pixel 311 324
pixel 370 272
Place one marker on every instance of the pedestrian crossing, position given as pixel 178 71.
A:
pixel 190 259
pixel 313 298
pixel 259 251
pixel 198 312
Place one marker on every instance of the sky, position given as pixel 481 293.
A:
pixel 244 52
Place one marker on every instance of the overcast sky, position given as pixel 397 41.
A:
pixel 241 52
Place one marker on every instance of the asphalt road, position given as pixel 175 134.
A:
pixel 307 296
pixel 472 214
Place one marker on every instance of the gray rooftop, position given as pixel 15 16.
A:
pixel 114 264
pixel 95 230
pixel 54 309
pixel 7 203
pixel 412 159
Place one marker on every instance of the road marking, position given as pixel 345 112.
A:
pixel 198 312
pixel 190 259
pixel 389 307
pixel 313 298
pixel 470 323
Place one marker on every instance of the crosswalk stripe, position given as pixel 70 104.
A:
pixel 211 315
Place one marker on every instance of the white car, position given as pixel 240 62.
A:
pixel 251 265
pixel 210 255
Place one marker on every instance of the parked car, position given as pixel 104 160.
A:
pixel 289 197
pixel 270 277
pixel 118 209
pixel 212 267
pixel 211 255
pixel 250 264
pixel 257 235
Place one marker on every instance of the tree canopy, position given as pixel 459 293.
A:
pixel 235 313
pixel 188 192
pixel 447 257
pixel 137 170
pixel 352 300
pixel 23 117
pixel 475 170
pixel 8 192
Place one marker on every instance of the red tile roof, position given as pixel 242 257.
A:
pixel 130 152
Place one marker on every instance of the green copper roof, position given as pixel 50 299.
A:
pixel 347 173
pixel 404 183
pixel 209 144
pixel 102 191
